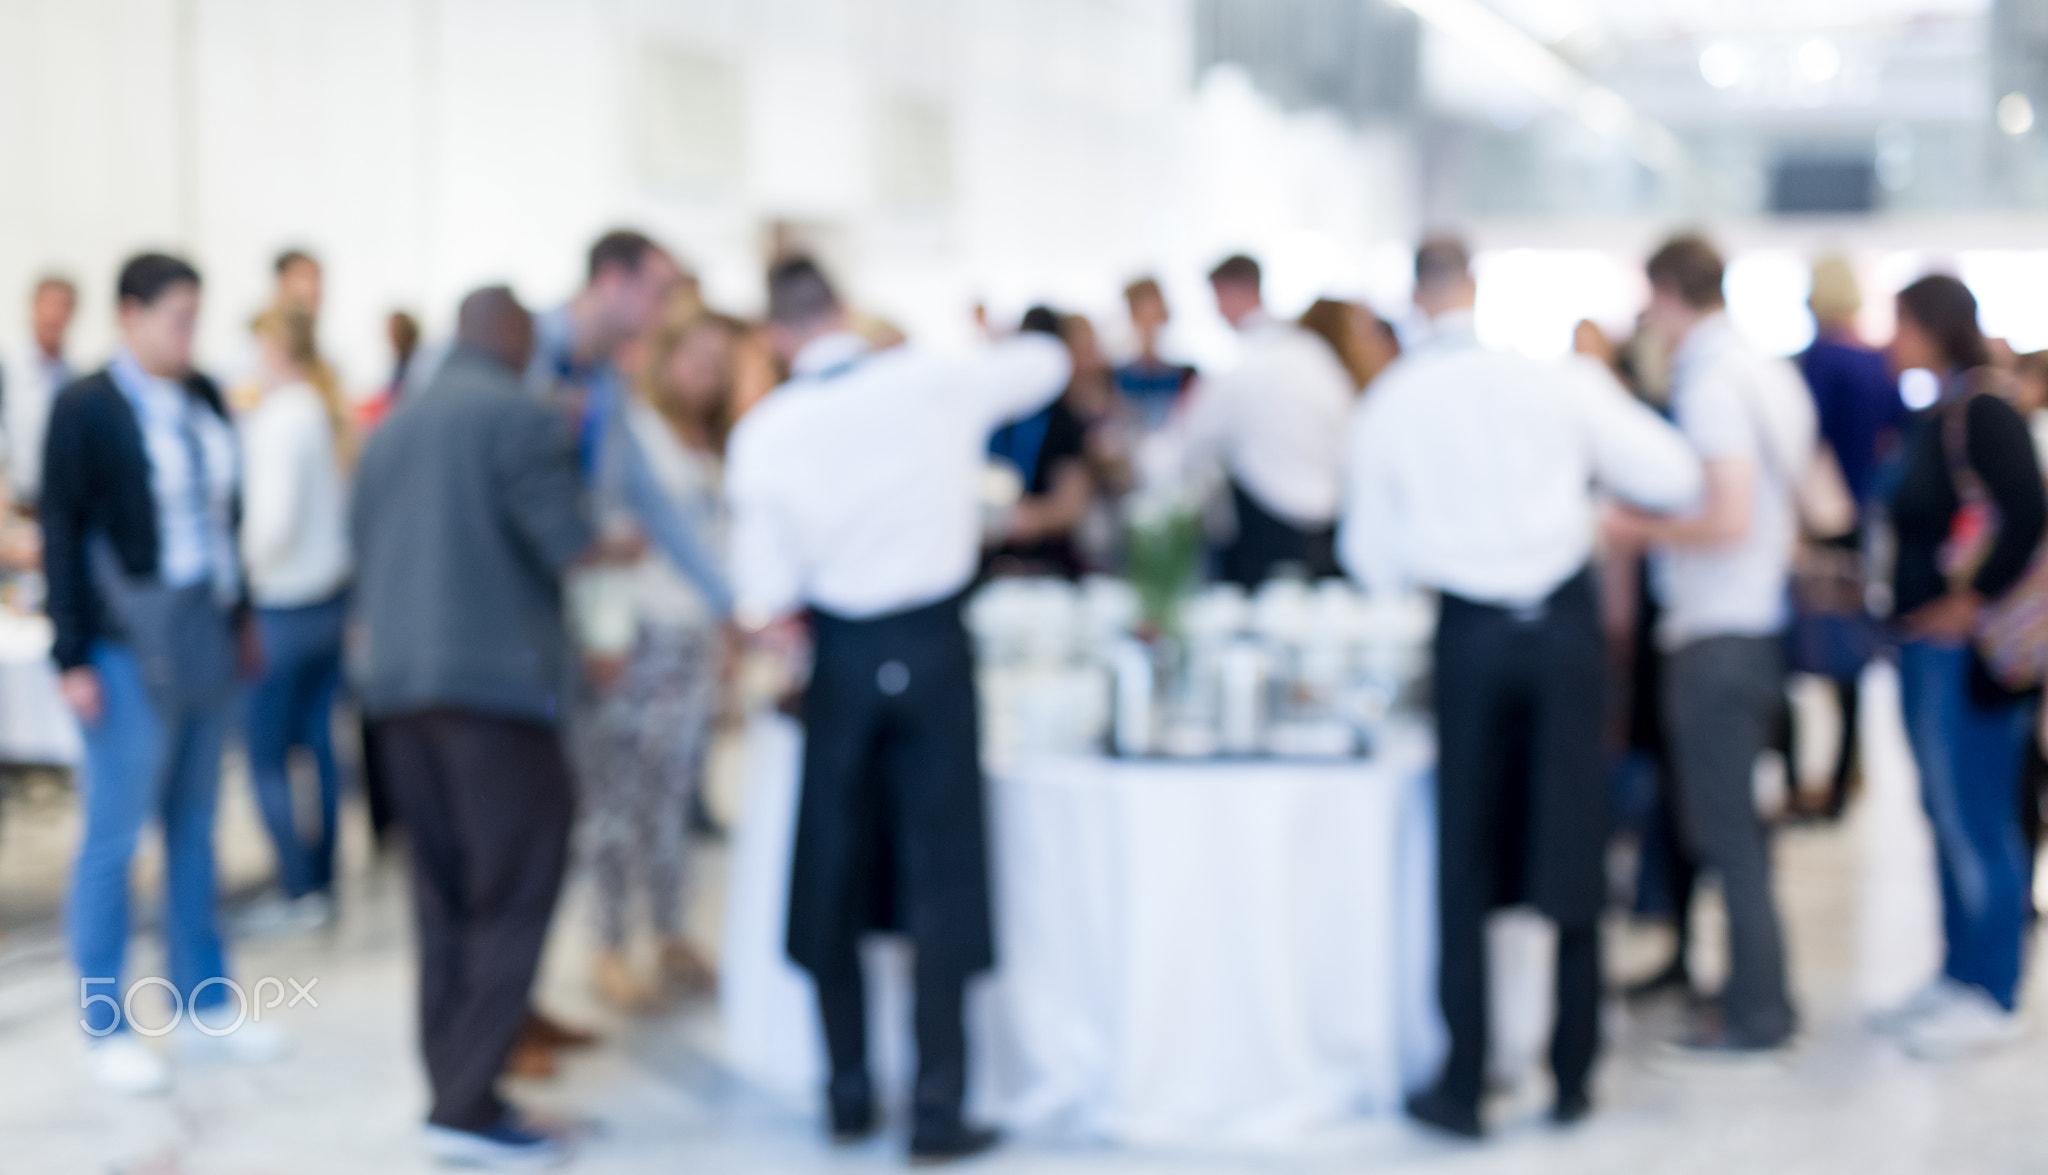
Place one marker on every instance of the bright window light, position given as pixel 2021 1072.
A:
pixel 2015 114
pixel 2012 301
pixel 1767 299
pixel 1530 299
pixel 1724 64
pixel 1818 60
pixel 1919 388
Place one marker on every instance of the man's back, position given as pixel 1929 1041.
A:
pixel 468 509
pixel 1277 420
pixel 1734 403
pixel 1471 470
pixel 856 486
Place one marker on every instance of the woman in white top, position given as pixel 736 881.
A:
pixel 297 446
pixel 640 734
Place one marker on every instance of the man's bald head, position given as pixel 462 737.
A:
pixel 492 322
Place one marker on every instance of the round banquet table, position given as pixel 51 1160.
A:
pixel 1189 953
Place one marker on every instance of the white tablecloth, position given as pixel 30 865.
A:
pixel 1189 953
pixel 35 725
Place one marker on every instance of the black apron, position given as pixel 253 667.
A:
pixel 1266 542
pixel 1521 769
pixel 891 832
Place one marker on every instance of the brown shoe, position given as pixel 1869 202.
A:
pixel 612 975
pixel 684 966
pixel 551 1033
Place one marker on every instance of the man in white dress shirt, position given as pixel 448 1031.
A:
pixel 854 502
pixel 1721 575
pixel 1275 423
pixel 1473 472
pixel 31 382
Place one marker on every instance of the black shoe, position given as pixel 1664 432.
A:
pixel 1713 1044
pixel 853 1111
pixel 1669 980
pixel 930 1146
pixel 1432 1108
pixel 1571 1108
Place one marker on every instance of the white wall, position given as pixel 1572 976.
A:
pixel 421 147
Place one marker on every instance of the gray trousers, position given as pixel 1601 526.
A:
pixel 1721 696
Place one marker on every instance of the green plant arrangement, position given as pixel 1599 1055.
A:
pixel 1165 547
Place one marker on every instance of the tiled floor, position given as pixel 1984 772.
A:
pixel 656 1098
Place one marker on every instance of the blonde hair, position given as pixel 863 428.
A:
pixel 295 330
pixel 1835 296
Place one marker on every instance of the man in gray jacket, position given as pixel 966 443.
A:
pixel 469 511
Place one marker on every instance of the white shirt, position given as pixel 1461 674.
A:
pixel 193 501
pixel 1473 471
pixel 27 387
pixel 855 487
pixel 1275 421
pixel 1733 402
pixel 661 594
pixel 295 501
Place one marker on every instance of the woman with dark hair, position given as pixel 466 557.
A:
pixel 140 509
pixel 1968 472
pixel 1049 450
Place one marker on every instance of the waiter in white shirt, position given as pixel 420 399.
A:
pixel 1472 472
pixel 1275 423
pixel 854 492
pixel 31 382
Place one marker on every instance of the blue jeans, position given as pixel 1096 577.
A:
pixel 292 705
pixel 141 764
pixel 1969 759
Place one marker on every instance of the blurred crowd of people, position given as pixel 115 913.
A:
pixel 531 557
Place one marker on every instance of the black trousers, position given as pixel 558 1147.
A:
pixel 1521 813
pixel 486 804
pixel 891 834
pixel 1265 542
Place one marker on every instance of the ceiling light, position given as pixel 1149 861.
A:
pixel 1818 60
pixel 1724 65
pixel 2015 114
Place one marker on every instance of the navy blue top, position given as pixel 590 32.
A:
pixel 1859 405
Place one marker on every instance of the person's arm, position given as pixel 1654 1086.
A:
pixel 678 532
pixel 1636 455
pixel 1057 511
pixel 1726 508
pixel 1017 376
pixel 542 487
pixel 64 512
pixel 767 572
pixel 1369 541
pixel 2002 454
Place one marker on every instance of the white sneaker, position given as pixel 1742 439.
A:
pixel 1895 1021
pixel 507 1146
pixel 277 916
pixel 122 1063
pixel 1967 1023
pixel 254 1043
